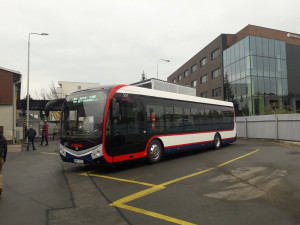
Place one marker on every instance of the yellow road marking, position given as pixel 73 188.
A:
pixel 48 153
pixel 154 188
pixel 118 179
pixel 230 161
pixel 153 214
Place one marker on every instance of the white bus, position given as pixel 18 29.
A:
pixel 119 123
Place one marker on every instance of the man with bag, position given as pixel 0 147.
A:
pixel 3 152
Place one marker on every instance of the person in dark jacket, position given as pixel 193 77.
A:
pixel 30 134
pixel 3 152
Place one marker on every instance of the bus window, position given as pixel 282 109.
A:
pixel 128 121
pixel 187 119
pixel 155 118
pixel 169 118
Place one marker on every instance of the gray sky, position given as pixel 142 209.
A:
pixel 114 41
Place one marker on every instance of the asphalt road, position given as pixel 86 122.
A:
pixel 248 182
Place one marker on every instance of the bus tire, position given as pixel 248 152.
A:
pixel 155 151
pixel 217 141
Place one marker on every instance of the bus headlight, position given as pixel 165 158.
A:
pixel 97 152
pixel 63 152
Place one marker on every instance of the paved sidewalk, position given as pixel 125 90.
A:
pixel 41 189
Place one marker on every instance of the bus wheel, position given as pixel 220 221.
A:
pixel 154 151
pixel 217 141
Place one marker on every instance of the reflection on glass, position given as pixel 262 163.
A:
pixel 247 45
pixel 247 66
pixel 261 85
pixel 282 50
pixel 242 48
pixel 259 44
pixel 273 86
pixel 260 66
pixel 242 67
pixel 252 45
pixel 267 85
pixel 284 87
pixel 283 64
pixel 265 47
pixel 277 49
pixel 253 65
pixel 278 68
pixel 237 70
pixel 272 67
pixel 271 48
pixel 254 85
pixel 266 67
pixel 279 87
pixel 248 87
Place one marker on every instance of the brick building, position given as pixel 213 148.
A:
pixel 10 86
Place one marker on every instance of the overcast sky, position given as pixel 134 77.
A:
pixel 114 41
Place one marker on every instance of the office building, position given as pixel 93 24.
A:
pixel 255 68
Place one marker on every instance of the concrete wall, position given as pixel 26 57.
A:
pixel 6 120
pixel 282 127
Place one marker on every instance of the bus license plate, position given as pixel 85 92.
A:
pixel 79 161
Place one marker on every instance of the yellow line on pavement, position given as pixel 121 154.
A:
pixel 154 188
pixel 118 179
pixel 230 161
pixel 153 214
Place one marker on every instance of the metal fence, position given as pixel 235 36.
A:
pixel 280 127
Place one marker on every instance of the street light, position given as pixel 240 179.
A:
pixel 27 112
pixel 166 60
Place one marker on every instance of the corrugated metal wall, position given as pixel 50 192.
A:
pixel 6 87
pixel 282 127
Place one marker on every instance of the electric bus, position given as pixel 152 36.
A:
pixel 112 124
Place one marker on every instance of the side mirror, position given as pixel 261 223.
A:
pixel 115 108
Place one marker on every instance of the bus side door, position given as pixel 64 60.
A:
pixel 128 128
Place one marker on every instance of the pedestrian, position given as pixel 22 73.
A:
pixel 3 152
pixel 45 133
pixel 30 134
pixel 55 132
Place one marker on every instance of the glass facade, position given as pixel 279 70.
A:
pixel 255 74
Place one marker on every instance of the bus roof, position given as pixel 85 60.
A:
pixel 170 95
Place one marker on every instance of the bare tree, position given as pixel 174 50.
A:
pixel 47 94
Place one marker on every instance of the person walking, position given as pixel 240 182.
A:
pixel 3 152
pixel 45 133
pixel 55 132
pixel 30 134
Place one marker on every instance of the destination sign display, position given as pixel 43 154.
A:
pixel 84 99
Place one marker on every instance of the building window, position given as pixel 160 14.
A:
pixel 204 94
pixel 194 68
pixel 174 81
pixel 216 92
pixel 186 73
pixel 203 62
pixel 179 77
pixel 215 53
pixel 216 73
pixel 194 83
pixel 203 79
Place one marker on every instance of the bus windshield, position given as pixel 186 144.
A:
pixel 82 116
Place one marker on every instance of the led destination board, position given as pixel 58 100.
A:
pixel 83 99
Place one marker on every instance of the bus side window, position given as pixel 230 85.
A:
pixel 155 118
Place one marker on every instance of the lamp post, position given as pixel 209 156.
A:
pixel 27 112
pixel 166 60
